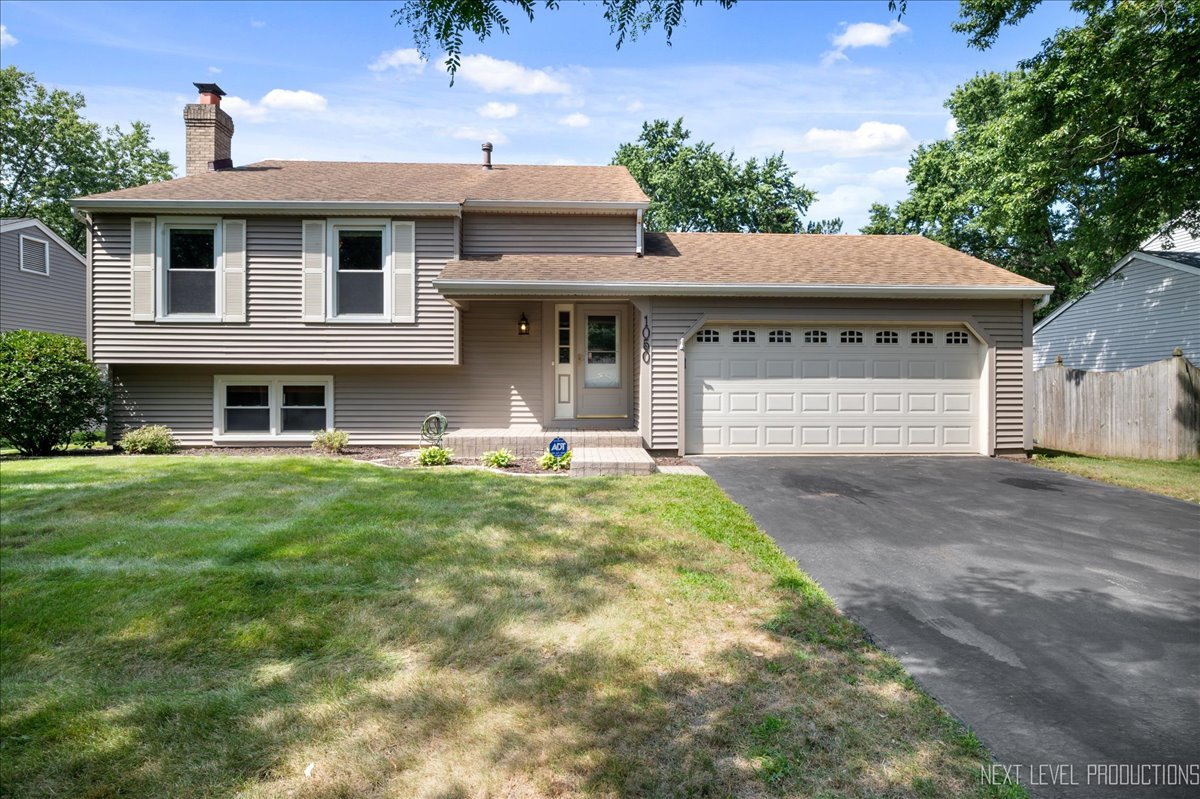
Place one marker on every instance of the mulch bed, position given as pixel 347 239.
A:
pixel 393 457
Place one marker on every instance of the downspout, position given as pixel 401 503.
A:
pixel 641 241
pixel 1041 303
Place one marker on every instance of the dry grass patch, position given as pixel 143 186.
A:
pixel 318 628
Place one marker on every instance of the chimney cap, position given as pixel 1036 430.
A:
pixel 487 146
pixel 209 88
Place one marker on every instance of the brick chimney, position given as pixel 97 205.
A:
pixel 209 131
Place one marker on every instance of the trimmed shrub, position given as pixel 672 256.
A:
pixel 48 390
pixel 555 463
pixel 153 439
pixel 435 456
pixel 332 441
pixel 500 459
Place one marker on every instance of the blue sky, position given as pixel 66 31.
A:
pixel 842 89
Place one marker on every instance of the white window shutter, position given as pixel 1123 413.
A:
pixel 142 269
pixel 233 267
pixel 404 272
pixel 314 270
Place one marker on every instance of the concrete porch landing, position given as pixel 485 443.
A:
pixel 604 461
pixel 531 441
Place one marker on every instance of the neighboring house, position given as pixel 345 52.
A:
pixel 43 280
pixel 1148 305
pixel 262 302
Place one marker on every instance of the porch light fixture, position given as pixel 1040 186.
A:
pixel 523 326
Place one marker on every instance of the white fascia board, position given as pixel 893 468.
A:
pixel 248 206
pixel 535 287
pixel 41 226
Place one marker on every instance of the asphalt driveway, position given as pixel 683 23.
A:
pixel 1058 617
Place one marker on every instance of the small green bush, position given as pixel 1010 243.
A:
pixel 555 463
pixel 153 439
pixel 332 441
pixel 500 459
pixel 88 439
pixel 435 456
pixel 48 390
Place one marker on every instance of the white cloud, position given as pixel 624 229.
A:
pixel 635 106
pixel 477 134
pixel 575 120
pixel 6 38
pixel 287 100
pixel 951 127
pixel 214 70
pixel 497 75
pixel 862 34
pixel 406 58
pixel 257 23
pixel 845 201
pixel 494 110
pixel 870 138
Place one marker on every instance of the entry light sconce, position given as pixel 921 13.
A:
pixel 523 326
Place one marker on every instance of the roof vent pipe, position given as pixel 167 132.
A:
pixel 487 155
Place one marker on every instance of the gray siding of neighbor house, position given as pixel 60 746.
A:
pixel 1135 317
pixel 1007 322
pixel 492 234
pixel 274 332
pixel 498 384
pixel 53 303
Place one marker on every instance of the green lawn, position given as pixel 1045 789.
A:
pixel 190 627
pixel 1179 479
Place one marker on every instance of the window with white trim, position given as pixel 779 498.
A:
pixel 249 407
pixel 816 337
pixel 957 337
pixel 887 337
pixel 360 269
pixel 189 273
pixel 709 336
pixel 779 337
pixel 34 255
pixel 744 337
pixel 851 337
pixel 921 337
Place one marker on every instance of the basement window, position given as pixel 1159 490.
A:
pixel 249 408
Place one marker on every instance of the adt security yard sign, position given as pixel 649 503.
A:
pixel 558 447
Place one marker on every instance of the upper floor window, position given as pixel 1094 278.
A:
pixel 709 336
pixel 189 269
pixel 956 337
pixel 887 337
pixel 852 337
pixel 359 267
pixel 779 337
pixel 816 337
pixel 744 337
pixel 921 337
pixel 35 255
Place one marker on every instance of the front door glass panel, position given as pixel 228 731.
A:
pixel 601 368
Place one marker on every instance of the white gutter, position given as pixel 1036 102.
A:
pixel 652 288
pixel 565 205
pixel 340 206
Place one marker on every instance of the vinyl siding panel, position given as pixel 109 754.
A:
pixel 275 332
pixel 1004 321
pixel 53 303
pixel 498 384
pixel 1135 317
pixel 497 234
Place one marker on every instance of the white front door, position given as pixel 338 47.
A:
pixel 833 388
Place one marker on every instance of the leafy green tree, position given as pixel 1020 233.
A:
pixel 444 22
pixel 1064 164
pixel 49 154
pixel 693 187
pixel 48 390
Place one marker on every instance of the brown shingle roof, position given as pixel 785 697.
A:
pixel 337 181
pixel 757 259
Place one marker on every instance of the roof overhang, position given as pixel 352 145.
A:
pixel 267 206
pixel 543 206
pixel 505 288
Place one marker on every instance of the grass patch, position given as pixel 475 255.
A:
pixel 189 627
pixel 1179 479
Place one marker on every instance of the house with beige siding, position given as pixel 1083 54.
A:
pixel 257 303
pixel 43 282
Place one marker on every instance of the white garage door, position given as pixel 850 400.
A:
pixel 833 389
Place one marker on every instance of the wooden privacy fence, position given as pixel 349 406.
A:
pixel 1152 411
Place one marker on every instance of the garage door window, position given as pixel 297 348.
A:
pixel 957 337
pixel 744 337
pixel 852 337
pixel 708 336
pixel 816 337
pixel 887 337
pixel 779 337
pixel 922 337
